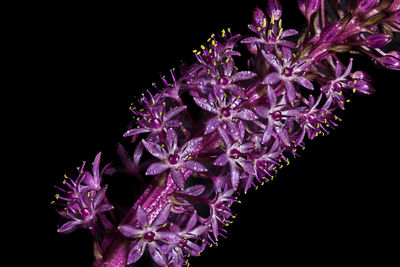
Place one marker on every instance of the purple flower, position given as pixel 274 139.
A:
pixel 234 155
pixel 275 113
pixel 187 243
pixel 227 112
pixel 93 180
pixel 288 71
pixel 266 160
pixel 174 158
pixel 269 35
pixel 153 118
pixel 151 236
pixel 82 210
pixel 378 40
pixel 389 62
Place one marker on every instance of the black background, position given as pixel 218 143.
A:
pixel 78 67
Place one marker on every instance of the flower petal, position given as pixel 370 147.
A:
pixel 244 75
pixel 234 175
pixel 137 251
pixel 203 103
pixel 172 141
pixel 212 125
pixel 174 111
pixel 157 255
pixel 178 178
pixel 272 78
pixel 304 82
pixel 129 231
pixel 154 149
pixel 273 60
pixel 222 160
pixel 191 223
pixel 190 146
pixel 290 91
pixel 141 216
pixel 246 114
pixel 135 131
pixel 194 166
pixel 69 227
pixel 156 168
pixel 262 111
pixel 161 217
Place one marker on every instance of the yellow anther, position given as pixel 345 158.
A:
pixel 280 23
pixel 227 60
pixel 57 196
pixel 65 176
pixel 354 90
pixel 304 73
pixel 272 19
pixel 189 158
pixel 162 145
pixel 202 47
pixel 198 53
pixel 258 28
pixel 223 33
pixel 215 63
pixel 280 32
pixel 354 81
pixel 264 22
pixel 210 51
pixel 213 43
pixel 229 30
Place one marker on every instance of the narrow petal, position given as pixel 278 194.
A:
pixel 290 91
pixel 272 78
pixel 135 131
pixel 212 125
pixel 246 114
pixel 234 175
pixel 104 207
pixel 271 97
pixel 190 146
pixel 268 133
pixel 137 251
pixel 172 123
pixel 178 178
pixel 161 217
pixel 273 60
pixel 156 168
pixel 244 75
pixel 154 149
pixel 141 216
pixel 68 227
pixel 222 160
pixel 233 129
pixel 250 40
pixel 288 33
pixel 262 111
pixel 224 136
pixel 191 223
pixel 194 166
pixel 129 231
pixel 174 111
pixel 304 82
pixel 203 103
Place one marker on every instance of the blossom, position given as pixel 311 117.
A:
pixel 82 210
pixel 227 111
pixel 93 180
pixel 153 118
pixel 275 112
pixel 269 34
pixel 150 236
pixel 234 155
pixel 288 71
pixel 174 158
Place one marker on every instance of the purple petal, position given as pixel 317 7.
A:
pixel 141 216
pixel 129 231
pixel 190 146
pixel 68 227
pixel 290 91
pixel 246 114
pixel 199 230
pixel 154 149
pixel 244 75
pixel 104 207
pixel 273 60
pixel 178 178
pixel 135 131
pixel 304 82
pixel 156 168
pixel 137 251
pixel 271 97
pixel 172 123
pixel 272 78
pixel 222 160
pixel 172 141
pixel 262 111
pixel 212 125
pixel 174 111
pixel 250 40
pixel 161 217
pixel 195 190
pixel 194 166
pixel 274 7
pixel 191 223
pixel 267 134
pixel 348 69
pixel 288 33
pixel 234 175
pixel 224 136
pixel 203 103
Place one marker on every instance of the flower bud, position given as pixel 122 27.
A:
pixel 366 5
pixel 308 7
pixel 274 8
pixel 360 75
pixel 378 40
pixel 389 62
pixel 259 19
pixel 396 17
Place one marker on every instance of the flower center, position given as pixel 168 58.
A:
pixel 173 159
pixel 85 213
pixel 149 236
pixel 287 72
pixel 225 112
pixel 235 154
pixel 156 123
pixel 337 86
pixel 276 115
pixel 261 164
pixel 224 80
pixel 182 243
pixel 311 118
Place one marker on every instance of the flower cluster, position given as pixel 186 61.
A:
pixel 251 121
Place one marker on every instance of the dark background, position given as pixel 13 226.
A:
pixel 78 67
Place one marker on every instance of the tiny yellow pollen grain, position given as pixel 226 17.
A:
pixel 280 32
pixel 272 19
pixel 354 90
pixel 227 60
pixel 355 81
pixel 264 22
pixel 202 47
pixel 280 23
pixel 258 28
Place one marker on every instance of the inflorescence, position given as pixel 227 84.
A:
pixel 251 120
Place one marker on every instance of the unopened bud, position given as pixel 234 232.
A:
pixel 274 8
pixel 378 40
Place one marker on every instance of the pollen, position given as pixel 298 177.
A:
pixel 264 22
pixel 272 19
